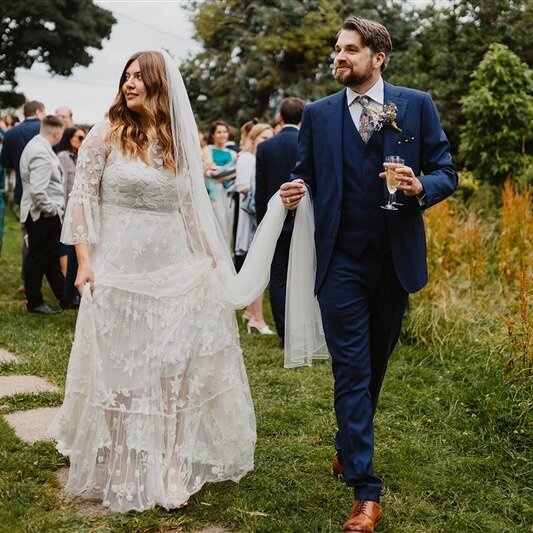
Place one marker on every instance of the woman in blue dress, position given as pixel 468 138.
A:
pixel 219 173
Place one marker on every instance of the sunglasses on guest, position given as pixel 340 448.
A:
pixel 80 137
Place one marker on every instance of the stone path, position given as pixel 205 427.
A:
pixel 10 385
pixel 8 357
pixel 30 426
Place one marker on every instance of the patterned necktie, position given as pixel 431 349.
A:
pixel 366 124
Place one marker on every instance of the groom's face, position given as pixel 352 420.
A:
pixel 354 64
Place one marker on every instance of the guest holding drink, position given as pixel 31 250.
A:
pixel 368 259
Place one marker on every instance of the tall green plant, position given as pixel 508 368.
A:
pixel 450 41
pixel 499 113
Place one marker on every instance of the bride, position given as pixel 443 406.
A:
pixel 157 401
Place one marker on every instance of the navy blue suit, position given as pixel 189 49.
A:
pixel 275 159
pixel 368 259
pixel 15 140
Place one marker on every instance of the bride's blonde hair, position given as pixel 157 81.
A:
pixel 126 130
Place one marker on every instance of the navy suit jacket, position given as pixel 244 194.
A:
pixel 275 158
pixel 423 145
pixel 15 140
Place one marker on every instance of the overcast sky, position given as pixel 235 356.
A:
pixel 141 25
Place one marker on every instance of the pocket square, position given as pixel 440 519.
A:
pixel 406 140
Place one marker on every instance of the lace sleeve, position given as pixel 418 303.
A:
pixel 82 218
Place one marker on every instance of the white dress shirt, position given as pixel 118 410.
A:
pixel 376 94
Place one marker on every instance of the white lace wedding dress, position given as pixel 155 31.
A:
pixel 157 400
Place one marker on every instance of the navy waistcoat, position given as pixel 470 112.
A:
pixel 362 220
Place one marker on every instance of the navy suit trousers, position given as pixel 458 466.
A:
pixel 362 306
pixel 278 282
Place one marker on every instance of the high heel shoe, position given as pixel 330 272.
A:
pixel 265 330
pixel 246 318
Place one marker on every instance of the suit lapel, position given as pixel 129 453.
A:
pixel 332 113
pixel 390 135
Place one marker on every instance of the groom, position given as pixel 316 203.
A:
pixel 368 259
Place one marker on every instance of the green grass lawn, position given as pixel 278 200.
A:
pixel 451 440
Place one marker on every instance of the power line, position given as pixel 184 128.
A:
pixel 155 28
pixel 65 78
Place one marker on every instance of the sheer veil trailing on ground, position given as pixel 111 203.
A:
pixel 304 337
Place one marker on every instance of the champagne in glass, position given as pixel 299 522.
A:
pixel 392 162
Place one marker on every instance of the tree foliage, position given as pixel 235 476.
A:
pixel 256 53
pixel 10 100
pixel 451 41
pixel 499 114
pixel 55 32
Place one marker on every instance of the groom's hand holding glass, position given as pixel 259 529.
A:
pixel 292 192
pixel 406 181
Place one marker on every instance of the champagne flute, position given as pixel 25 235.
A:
pixel 394 202
pixel 392 162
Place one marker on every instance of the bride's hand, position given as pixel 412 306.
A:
pixel 85 275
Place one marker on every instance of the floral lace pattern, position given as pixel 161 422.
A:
pixel 157 401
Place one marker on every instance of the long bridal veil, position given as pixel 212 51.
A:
pixel 304 337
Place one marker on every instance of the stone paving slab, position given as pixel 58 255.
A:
pixel 82 506
pixel 8 357
pixel 10 385
pixel 30 426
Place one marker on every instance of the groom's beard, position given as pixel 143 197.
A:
pixel 351 79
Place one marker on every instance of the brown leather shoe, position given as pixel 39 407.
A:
pixel 365 516
pixel 337 470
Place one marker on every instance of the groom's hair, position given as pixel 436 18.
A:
pixel 373 34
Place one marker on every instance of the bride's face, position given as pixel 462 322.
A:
pixel 133 88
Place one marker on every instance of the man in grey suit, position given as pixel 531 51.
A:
pixel 41 210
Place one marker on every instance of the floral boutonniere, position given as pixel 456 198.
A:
pixel 387 117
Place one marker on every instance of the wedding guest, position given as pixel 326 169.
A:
pixel 369 257
pixel 275 160
pixel 65 114
pixel 276 124
pixel 245 185
pixel 217 157
pixel 232 135
pixel 10 120
pixel 202 137
pixel 15 140
pixel 245 130
pixel 61 146
pixel 41 211
pixel 68 158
